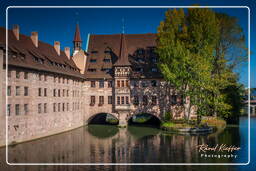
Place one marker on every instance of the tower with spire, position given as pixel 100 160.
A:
pixel 77 42
pixel 122 94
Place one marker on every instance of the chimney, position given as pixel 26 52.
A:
pixel 67 52
pixel 16 31
pixel 34 38
pixel 57 47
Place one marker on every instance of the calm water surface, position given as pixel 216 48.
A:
pixel 108 144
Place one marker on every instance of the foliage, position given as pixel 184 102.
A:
pixel 112 120
pixel 214 122
pixel 167 116
pixel 192 49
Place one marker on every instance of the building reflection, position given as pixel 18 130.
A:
pixel 107 144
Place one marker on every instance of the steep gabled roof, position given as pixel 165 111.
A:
pixel 123 54
pixel 77 37
pixel 43 58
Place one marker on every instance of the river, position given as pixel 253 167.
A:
pixel 108 144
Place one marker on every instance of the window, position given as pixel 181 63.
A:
pixel 127 83
pixel 174 99
pixel 144 84
pixel 9 109
pixel 67 93
pixel 39 92
pixel 154 69
pixel 9 91
pixel 145 100
pixel 25 91
pixel 122 99
pixel 101 83
pixel 45 78
pixel 40 77
pixel 101 100
pixel 106 60
pixel 25 109
pixel 93 60
pixel 17 90
pixel 91 70
pixel 63 107
pixel 63 92
pixel 127 100
pixel 67 106
pixel 39 108
pixel 118 100
pixel 17 74
pixel 58 107
pixel 54 107
pixel 154 100
pixel 45 91
pixel 25 75
pixel 93 84
pixel 54 92
pixel 109 99
pixel 59 92
pixel 92 100
pixel 9 74
pixel 122 83
pixel 118 83
pixel 180 100
pixel 109 84
pixel 17 109
pixel 153 59
pixel 136 100
pixel 153 83
pixel 45 108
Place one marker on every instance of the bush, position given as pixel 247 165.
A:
pixel 167 116
pixel 214 122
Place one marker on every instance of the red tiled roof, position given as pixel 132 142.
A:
pixel 44 57
pixel 108 47
pixel 77 37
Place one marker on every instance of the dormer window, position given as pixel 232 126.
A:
pixel 94 51
pixel 93 60
pixel 154 69
pixel 106 60
pixel 92 70
pixel 139 69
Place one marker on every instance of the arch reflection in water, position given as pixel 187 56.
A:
pixel 102 131
pixel 103 118
pixel 144 119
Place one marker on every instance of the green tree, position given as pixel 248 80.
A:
pixel 185 45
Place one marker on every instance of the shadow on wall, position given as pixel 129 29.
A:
pixel 103 119
pixel 144 119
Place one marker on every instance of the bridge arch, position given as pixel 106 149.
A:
pixel 103 118
pixel 144 119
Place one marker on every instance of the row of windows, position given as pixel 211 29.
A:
pixel 125 83
pixel 65 93
pixel 17 109
pixel 17 91
pixel 101 84
pixel 104 60
pixel 101 100
pixel 42 108
pixel 42 77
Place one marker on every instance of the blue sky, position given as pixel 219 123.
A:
pixel 59 24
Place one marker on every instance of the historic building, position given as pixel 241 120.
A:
pixel 50 91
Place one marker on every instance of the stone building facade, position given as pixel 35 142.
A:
pixel 50 91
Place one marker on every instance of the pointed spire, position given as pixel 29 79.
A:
pixel 77 37
pixel 123 54
pixel 77 40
